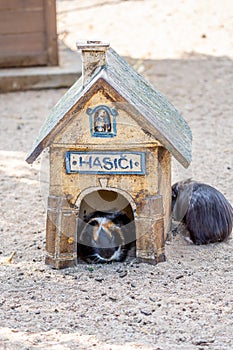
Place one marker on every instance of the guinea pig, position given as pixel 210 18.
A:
pixel 204 210
pixel 103 237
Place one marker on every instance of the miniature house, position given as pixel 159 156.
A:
pixel 110 139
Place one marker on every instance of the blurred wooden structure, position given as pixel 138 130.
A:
pixel 28 35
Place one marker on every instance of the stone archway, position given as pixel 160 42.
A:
pixel 106 194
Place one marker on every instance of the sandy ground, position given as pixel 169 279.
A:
pixel 185 49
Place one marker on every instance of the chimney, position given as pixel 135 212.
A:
pixel 93 56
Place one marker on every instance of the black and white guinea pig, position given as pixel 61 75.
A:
pixel 204 210
pixel 103 237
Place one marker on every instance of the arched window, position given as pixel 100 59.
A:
pixel 102 121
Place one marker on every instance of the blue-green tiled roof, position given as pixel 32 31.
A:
pixel 155 113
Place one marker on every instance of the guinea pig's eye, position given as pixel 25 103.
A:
pixel 93 223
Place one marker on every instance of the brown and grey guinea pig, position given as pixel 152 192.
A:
pixel 103 237
pixel 204 210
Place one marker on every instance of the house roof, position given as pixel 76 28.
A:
pixel 155 113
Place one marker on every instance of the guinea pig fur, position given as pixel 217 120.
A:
pixel 102 239
pixel 204 210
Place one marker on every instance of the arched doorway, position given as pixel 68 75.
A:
pixel 107 201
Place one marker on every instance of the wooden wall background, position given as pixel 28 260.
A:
pixel 28 35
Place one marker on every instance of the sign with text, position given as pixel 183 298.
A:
pixel 105 162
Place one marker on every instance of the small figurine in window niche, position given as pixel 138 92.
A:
pixel 102 121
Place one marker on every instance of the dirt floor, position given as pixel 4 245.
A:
pixel 185 49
